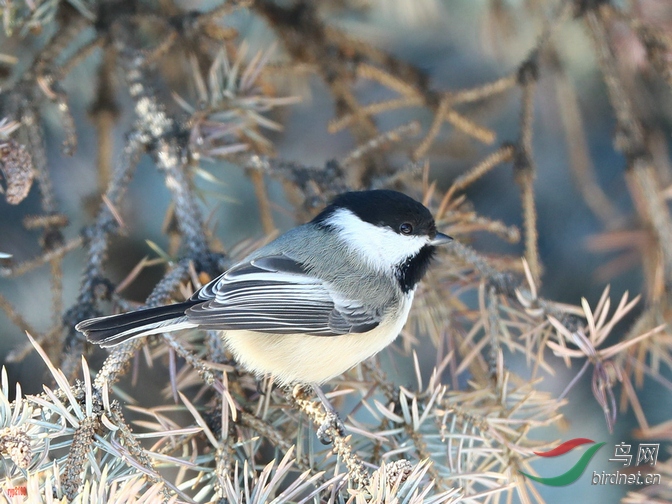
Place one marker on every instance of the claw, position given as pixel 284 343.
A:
pixel 331 423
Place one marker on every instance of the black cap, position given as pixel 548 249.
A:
pixel 384 208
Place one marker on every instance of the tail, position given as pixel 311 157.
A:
pixel 116 329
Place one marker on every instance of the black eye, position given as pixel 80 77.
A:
pixel 406 228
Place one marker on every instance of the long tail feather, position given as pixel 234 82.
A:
pixel 115 329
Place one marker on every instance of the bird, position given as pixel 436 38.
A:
pixel 314 302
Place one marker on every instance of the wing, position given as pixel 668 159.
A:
pixel 276 294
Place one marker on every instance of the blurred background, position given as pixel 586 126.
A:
pixel 583 244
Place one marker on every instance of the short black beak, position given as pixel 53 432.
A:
pixel 440 239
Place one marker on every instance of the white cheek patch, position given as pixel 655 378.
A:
pixel 380 247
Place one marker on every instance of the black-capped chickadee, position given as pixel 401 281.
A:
pixel 313 303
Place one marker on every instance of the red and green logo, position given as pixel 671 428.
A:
pixel 575 471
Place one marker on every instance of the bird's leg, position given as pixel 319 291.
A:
pixel 261 389
pixel 332 421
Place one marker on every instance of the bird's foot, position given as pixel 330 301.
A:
pixel 332 425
